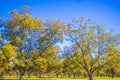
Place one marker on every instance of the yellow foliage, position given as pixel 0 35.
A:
pixel 9 50
pixel 24 21
pixel 1 70
pixel 20 63
pixel 16 39
pixel 6 55
pixel 41 63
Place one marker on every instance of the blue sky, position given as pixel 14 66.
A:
pixel 100 11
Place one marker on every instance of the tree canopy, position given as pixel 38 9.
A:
pixel 29 46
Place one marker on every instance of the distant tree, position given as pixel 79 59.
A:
pixel 71 65
pixel 31 63
pixel 114 58
pixel 41 65
pixel 58 62
pixel 7 55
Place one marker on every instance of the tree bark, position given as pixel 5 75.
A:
pixel 74 75
pixel 36 74
pixel 17 74
pixel 29 73
pixel 112 72
pixel 90 75
pixel 22 72
pixel 40 74
pixel 57 75
pixel 84 75
pixel 21 77
pixel 68 74
pixel 1 76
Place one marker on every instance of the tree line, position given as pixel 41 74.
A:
pixel 28 46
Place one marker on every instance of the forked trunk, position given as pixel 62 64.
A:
pixel 22 72
pixel 90 75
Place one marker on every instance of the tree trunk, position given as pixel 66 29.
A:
pixel 48 75
pixel 84 75
pixel 22 72
pixel 112 75
pixel 74 75
pixel 29 73
pixel 21 77
pixel 57 75
pixel 36 74
pixel 17 74
pixel 68 74
pixel 79 75
pixel 39 74
pixel 90 75
pixel 1 76
pixel 112 72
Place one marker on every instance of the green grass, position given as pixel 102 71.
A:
pixel 61 78
pixel 70 79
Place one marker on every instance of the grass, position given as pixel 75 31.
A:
pixel 60 78
pixel 71 79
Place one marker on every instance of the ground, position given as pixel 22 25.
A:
pixel 53 78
